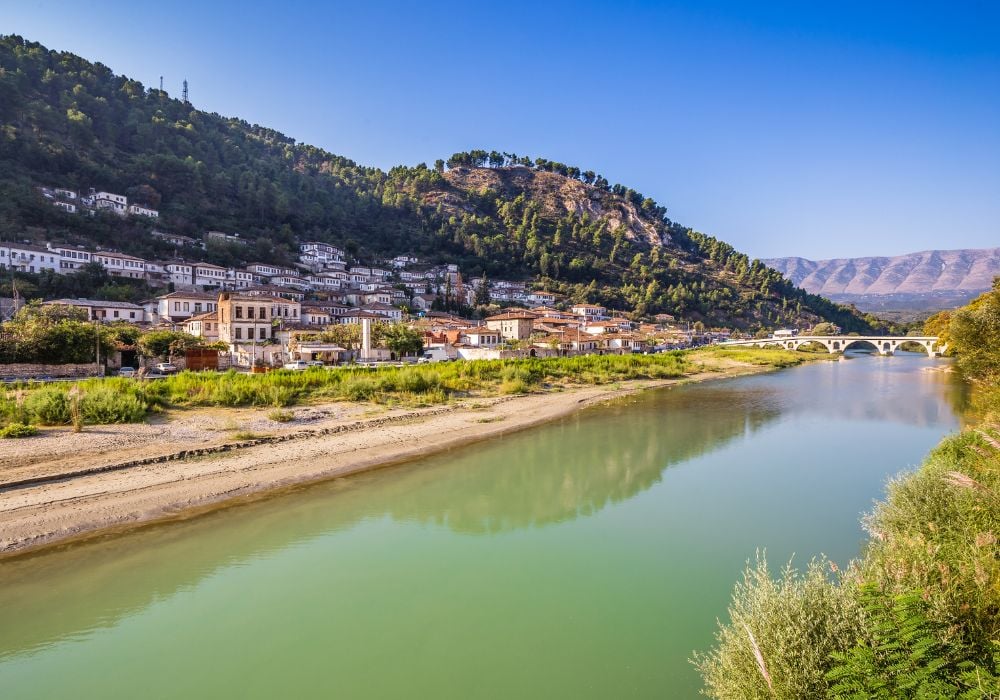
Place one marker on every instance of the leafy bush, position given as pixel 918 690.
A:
pixel 48 406
pixel 106 405
pixel 780 635
pixel 938 532
pixel 17 430
pixel 903 655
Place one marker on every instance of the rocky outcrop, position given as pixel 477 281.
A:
pixel 556 194
pixel 929 272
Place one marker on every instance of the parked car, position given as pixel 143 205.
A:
pixel 126 372
pixel 317 363
pixel 297 365
pixel 165 367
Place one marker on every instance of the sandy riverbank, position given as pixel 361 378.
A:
pixel 62 485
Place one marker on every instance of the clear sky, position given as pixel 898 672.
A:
pixel 812 128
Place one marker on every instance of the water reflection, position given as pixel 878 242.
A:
pixel 576 467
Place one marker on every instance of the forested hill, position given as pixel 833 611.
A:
pixel 68 122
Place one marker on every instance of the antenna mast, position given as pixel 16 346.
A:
pixel 184 94
pixel 161 83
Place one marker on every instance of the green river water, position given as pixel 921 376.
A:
pixel 583 559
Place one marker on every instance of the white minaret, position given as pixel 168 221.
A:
pixel 366 338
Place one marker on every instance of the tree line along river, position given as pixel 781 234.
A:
pixel 582 559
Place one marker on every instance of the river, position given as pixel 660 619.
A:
pixel 583 559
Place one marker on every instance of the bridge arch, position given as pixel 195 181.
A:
pixel 883 345
pixel 871 344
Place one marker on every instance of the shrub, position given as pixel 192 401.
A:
pixel 280 416
pixel 106 405
pixel 780 635
pixel 938 532
pixel 514 386
pixel 48 406
pixel 17 430
pixel 903 655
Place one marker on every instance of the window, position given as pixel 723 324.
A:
pixel 187 306
pixel 116 313
pixel 239 333
pixel 263 313
pixel 249 312
pixel 239 311
pixel 131 314
pixel 263 333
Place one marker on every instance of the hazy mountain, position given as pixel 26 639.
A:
pixel 928 279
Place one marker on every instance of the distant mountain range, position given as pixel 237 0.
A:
pixel 928 279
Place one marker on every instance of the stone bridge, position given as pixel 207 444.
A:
pixel 883 344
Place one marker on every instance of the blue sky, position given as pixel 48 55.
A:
pixel 820 129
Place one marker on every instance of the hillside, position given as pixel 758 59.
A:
pixel 928 279
pixel 67 122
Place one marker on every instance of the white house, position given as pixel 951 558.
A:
pixel 180 273
pixel 316 316
pixel 105 311
pixel 206 274
pixel 239 279
pixel 71 258
pixel 180 306
pixel 321 252
pixel 121 265
pixel 384 310
pixel 28 258
pixel 203 326
pixel 590 312
pixel 264 270
pixel 481 337
pixel 140 210
pixel 116 203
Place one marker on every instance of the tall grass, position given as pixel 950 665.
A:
pixel 917 616
pixel 780 635
pixel 121 400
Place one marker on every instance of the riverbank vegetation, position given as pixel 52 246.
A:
pixel 918 615
pixel 122 400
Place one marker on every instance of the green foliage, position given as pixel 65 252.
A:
pixel 780 635
pixel 938 531
pixel 118 400
pixel 904 655
pixel 51 334
pixel 17 430
pixel 48 406
pixel 401 339
pixel 974 335
pixel 109 404
pixel 824 328
pixel 164 343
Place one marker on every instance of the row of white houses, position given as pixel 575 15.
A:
pixel 73 202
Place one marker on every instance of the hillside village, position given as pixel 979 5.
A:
pixel 263 314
